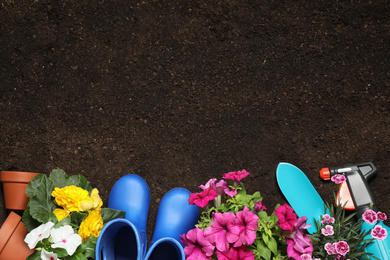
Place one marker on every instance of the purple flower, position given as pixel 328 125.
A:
pixel 338 178
pixel 327 231
pixel 223 230
pixel 379 232
pixel 259 206
pixel 196 246
pixel 370 216
pixel 342 247
pixel 247 222
pixel 300 243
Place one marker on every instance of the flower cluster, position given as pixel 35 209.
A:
pixel 239 227
pixel 371 217
pixel 64 216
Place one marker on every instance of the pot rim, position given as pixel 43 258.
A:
pixel 17 176
pixel 8 228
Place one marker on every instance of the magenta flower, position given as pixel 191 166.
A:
pixel 381 216
pixel 223 230
pixel 327 231
pixel 259 206
pixel 236 176
pixel 341 247
pixel 287 217
pixel 338 178
pixel 196 246
pixel 379 232
pixel 300 243
pixel 370 216
pixel 208 184
pixel 247 221
pixel 327 219
pixel 231 193
pixel 236 253
pixel 201 199
pixel 306 257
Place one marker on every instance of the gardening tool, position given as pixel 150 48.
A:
pixel 358 196
pixel 300 194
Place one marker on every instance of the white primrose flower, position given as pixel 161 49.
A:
pixel 37 234
pixel 64 237
pixel 48 255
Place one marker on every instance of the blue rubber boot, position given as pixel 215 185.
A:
pixel 174 218
pixel 125 239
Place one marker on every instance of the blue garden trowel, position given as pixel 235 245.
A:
pixel 300 194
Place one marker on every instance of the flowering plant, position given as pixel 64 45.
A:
pixel 338 237
pixel 64 216
pixel 240 228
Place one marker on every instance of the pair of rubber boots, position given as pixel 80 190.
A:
pixel 125 238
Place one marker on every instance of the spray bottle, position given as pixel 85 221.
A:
pixel 357 195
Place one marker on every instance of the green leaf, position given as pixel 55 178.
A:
pixel 77 218
pixel 263 250
pixel 272 245
pixel 61 252
pixel 60 179
pixel 63 222
pixel 84 183
pixel 110 214
pixel 29 222
pixel 34 184
pixel 90 247
pixel 36 255
pixel 41 204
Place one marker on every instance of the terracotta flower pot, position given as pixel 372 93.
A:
pixel 14 186
pixel 12 234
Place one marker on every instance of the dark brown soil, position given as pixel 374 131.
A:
pixel 183 91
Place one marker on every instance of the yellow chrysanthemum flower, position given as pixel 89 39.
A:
pixel 91 225
pixel 61 214
pixel 72 198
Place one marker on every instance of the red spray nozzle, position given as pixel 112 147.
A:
pixel 325 174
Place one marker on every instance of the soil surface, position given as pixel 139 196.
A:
pixel 183 91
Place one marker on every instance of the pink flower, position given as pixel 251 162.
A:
pixel 306 257
pixel 338 178
pixel 341 247
pixel 236 253
pixel 327 219
pixel 327 231
pixel 330 249
pixel 247 222
pixel 370 216
pixel 223 230
pixel 381 216
pixel 259 206
pixel 236 176
pixel 196 246
pixel 287 217
pixel 231 193
pixel 378 232
pixel 201 199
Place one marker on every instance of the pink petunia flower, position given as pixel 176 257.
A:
pixel 236 253
pixel 370 216
pixel 327 231
pixel 327 219
pixel 287 217
pixel 202 198
pixel 259 206
pixel 231 193
pixel 236 176
pixel 341 247
pixel 338 178
pixel 247 221
pixel 222 230
pixel 381 216
pixel 196 246
pixel 379 232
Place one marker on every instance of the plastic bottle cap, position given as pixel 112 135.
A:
pixel 325 173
